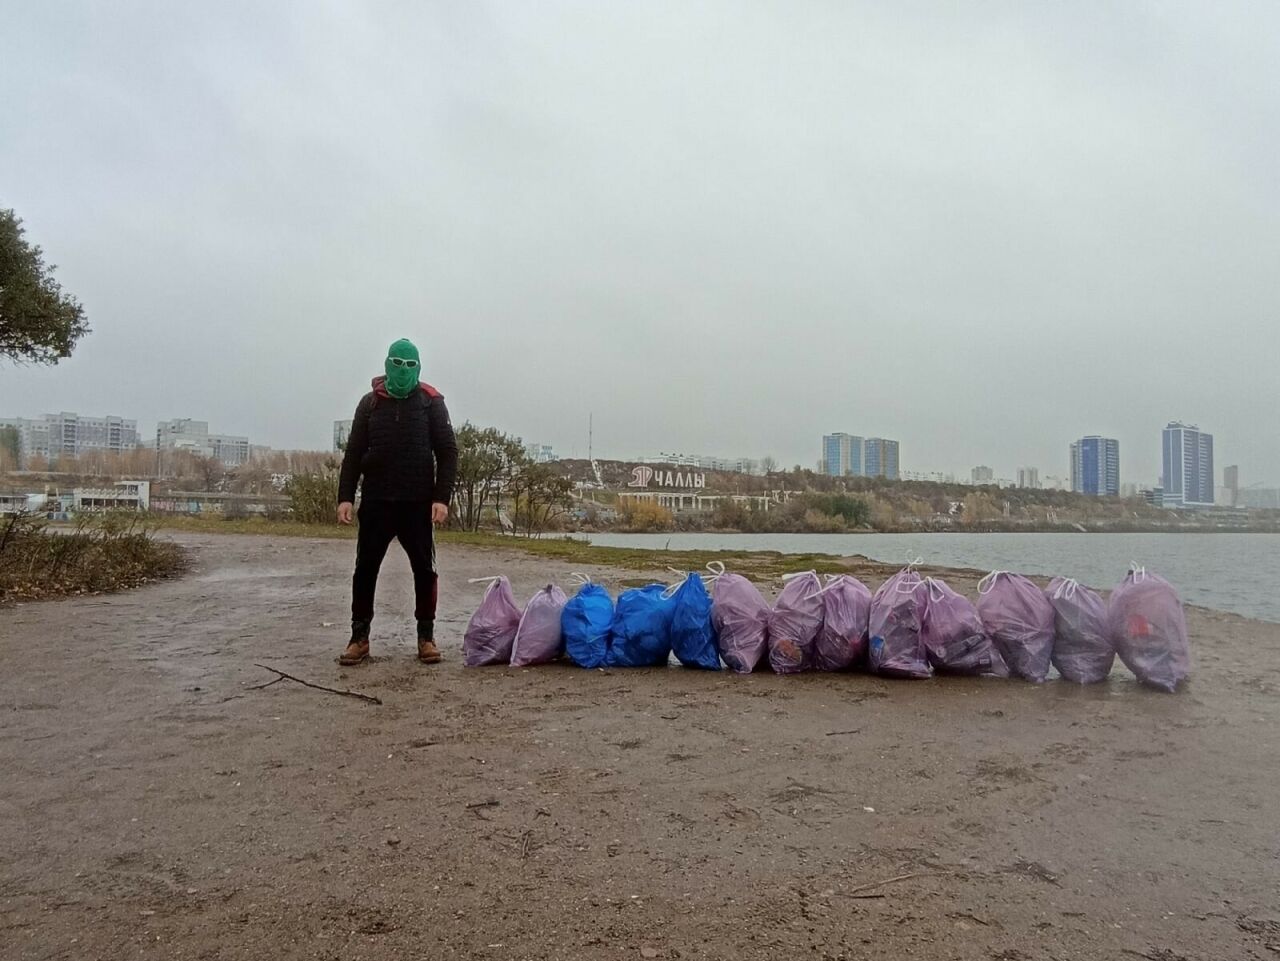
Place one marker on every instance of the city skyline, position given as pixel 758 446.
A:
pixel 224 447
pixel 1095 466
pixel 1008 470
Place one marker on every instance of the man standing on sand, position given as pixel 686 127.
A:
pixel 402 443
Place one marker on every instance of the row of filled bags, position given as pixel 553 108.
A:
pixel 912 627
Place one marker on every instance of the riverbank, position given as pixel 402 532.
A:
pixel 160 800
pixel 1233 572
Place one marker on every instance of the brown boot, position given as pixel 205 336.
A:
pixel 428 653
pixel 357 651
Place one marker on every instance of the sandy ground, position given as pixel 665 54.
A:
pixel 155 806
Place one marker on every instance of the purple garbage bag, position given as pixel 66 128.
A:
pixel 1082 651
pixel 1020 620
pixel 795 623
pixel 953 635
pixel 846 610
pixel 492 629
pixel 539 638
pixel 1148 626
pixel 740 615
pixel 896 647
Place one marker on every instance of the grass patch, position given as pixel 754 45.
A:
pixel 106 552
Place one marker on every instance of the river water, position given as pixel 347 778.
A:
pixel 1230 572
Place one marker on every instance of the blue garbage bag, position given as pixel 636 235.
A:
pixel 587 619
pixel 641 634
pixel 693 636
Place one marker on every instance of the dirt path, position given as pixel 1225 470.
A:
pixel 155 807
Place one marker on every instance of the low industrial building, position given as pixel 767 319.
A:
pixel 681 502
pixel 129 495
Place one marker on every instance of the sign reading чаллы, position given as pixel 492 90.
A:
pixel 644 476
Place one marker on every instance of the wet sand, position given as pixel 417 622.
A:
pixel 155 806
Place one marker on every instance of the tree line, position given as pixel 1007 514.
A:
pixel 500 485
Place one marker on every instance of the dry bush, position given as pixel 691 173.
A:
pixel 104 552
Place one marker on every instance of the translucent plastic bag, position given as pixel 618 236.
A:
pixel 740 616
pixel 846 611
pixel 586 621
pixel 1148 625
pixel 1082 651
pixel 953 635
pixel 492 630
pixel 1020 620
pixel 693 634
pixel 539 638
pixel 896 648
pixel 641 632
pixel 795 623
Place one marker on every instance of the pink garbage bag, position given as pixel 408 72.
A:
pixel 896 647
pixel 846 610
pixel 538 637
pixel 953 635
pixel 492 629
pixel 795 623
pixel 740 615
pixel 1020 620
pixel 1082 651
pixel 1148 626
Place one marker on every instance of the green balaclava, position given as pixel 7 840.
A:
pixel 402 369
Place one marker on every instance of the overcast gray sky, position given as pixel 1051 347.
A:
pixel 984 229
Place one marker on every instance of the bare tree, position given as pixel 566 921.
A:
pixel 487 460
pixel 211 471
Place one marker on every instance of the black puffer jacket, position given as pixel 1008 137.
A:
pixel 404 449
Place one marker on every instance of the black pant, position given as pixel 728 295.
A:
pixel 410 523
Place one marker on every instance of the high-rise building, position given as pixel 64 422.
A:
pixel 1188 466
pixel 880 458
pixel 1029 477
pixel 848 455
pixel 1231 481
pixel 1095 466
pixel 55 435
pixel 842 454
pixel 982 474
pixel 183 433
pixel 232 451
